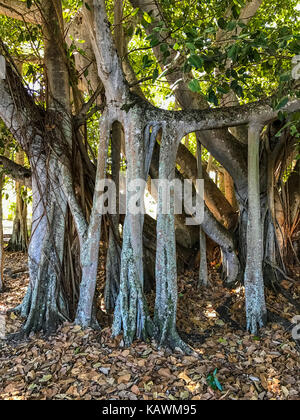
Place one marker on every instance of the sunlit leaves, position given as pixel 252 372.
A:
pixel 146 19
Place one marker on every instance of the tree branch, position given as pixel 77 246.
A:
pixel 190 121
pixel 108 62
pixel 18 111
pixel 220 143
pixel 18 10
pixel 214 198
pixel 17 172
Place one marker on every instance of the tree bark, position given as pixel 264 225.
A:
pixel 113 259
pixel 256 312
pixel 19 238
pixel 90 234
pixel 131 313
pixel 1 237
pixel 203 275
pixel 44 306
pixel 166 270
pixel 230 191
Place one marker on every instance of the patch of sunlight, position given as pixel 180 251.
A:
pixel 210 313
pixel 213 175
pixel 239 290
pixel 150 205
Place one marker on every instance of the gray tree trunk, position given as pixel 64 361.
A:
pixel 131 313
pixel 254 284
pixel 44 306
pixel 113 259
pixel 203 275
pixel 166 269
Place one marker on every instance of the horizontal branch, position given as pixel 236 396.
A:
pixel 190 121
pixel 17 172
pixel 18 10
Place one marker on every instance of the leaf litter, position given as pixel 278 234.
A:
pixel 77 364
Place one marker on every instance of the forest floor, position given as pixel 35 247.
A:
pixel 232 365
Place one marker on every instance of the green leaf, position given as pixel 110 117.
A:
pixel 223 89
pixel 164 47
pixel 135 12
pixel 147 18
pixel 237 88
pixel 190 46
pixel 155 75
pixel 294 130
pixel 196 61
pixel 233 52
pixel 231 25
pixel 194 86
pixel 218 385
pixel 213 381
pixel 285 77
pixel 154 42
pixel 282 103
pixel 212 97
pixel 28 3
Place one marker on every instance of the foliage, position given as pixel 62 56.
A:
pixel 213 381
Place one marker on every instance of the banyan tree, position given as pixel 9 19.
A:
pixel 253 138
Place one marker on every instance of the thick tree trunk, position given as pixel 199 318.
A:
pixel 90 235
pixel 131 314
pixel 256 312
pixel 166 270
pixel 113 259
pixel 44 306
